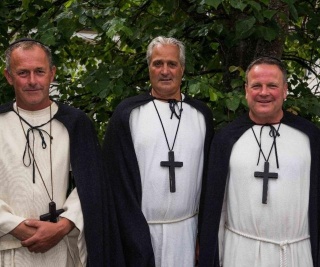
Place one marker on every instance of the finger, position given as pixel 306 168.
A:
pixel 29 242
pixel 34 249
pixel 37 249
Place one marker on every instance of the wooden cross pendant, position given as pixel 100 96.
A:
pixel 265 175
pixel 172 165
pixel 53 213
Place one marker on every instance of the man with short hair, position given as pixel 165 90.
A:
pixel 41 142
pixel 156 154
pixel 263 183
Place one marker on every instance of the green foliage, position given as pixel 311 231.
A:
pixel 99 48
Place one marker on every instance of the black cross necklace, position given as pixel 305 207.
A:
pixel 274 133
pixel 53 214
pixel 171 164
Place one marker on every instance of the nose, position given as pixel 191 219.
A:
pixel 264 90
pixel 164 69
pixel 32 78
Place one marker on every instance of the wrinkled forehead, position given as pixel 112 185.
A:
pixel 165 53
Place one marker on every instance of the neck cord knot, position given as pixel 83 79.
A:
pixel 32 129
pixel 173 104
pixel 274 133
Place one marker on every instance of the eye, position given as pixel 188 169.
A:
pixel 157 64
pixel 273 86
pixel 40 72
pixel 22 73
pixel 256 86
pixel 172 64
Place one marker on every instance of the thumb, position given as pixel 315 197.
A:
pixel 31 223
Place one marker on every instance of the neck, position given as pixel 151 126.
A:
pixel 34 107
pixel 265 120
pixel 165 97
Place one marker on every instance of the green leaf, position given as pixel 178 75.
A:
pixel 293 12
pixel 233 68
pixel 255 5
pixel 269 13
pixel 67 27
pixel 115 72
pixel 194 88
pixel 69 3
pixel 25 4
pixel 48 37
pixel 214 3
pixel 118 88
pixel 89 79
pixel 213 96
pixel 236 83
pixel 233 103
pixel 238 4
pixel 65 15
pixel 268 34
pixel 83 19
pixel 265 2
pixel 244 28
pixel 218 28
pixel 115 26
pixel 240 70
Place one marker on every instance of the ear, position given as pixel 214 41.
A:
pixel 182 68
pixel 285 90
pixel 8 76
pixel 53 73
pixel 246 88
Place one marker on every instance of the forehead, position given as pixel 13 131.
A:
pixel 265 72
pixel 165 52
pixel 29 57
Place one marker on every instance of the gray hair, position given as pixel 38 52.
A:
pixel 26 44
pixel 161 40
pixel 269 61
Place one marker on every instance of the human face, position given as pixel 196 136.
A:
pixel 30 75
pixel 265 93
pixel 165 71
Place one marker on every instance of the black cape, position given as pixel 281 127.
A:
pixel 215 184
pixel 123 171
pixel 88 172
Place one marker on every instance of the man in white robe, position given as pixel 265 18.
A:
pixel 41 141
pixel 265 166
pixel 22 200
pixel 157 214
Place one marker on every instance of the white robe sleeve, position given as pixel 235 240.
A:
pixel 73 212
pixel 8 221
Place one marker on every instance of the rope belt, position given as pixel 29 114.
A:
pixel 282 245
pixel 12 258
pixel 173 221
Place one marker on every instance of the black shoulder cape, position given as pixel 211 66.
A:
pixel 123 171
pixel 87 168
pixel 215 183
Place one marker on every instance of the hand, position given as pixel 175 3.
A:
pixel 47 234
pixel 23 231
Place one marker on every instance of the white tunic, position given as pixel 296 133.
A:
pixel 20 198
pixel 276 233
pixel 172 217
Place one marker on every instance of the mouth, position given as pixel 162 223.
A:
pixel 31 89
pixel 264 101
pixel 165 80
